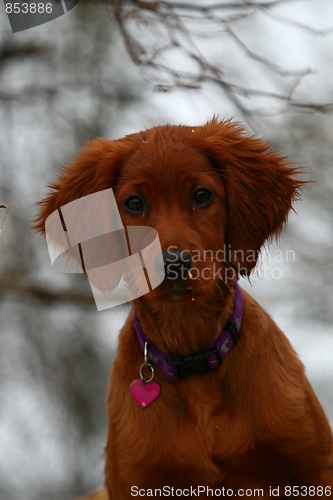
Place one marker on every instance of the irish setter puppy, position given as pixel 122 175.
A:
pixel 228 410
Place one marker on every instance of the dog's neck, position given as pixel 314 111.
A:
pixel 184 326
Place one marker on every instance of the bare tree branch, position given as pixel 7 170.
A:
pixel 8 52
pixel 204 8
pixel 3 218
pixel 164 38
pixel 45 294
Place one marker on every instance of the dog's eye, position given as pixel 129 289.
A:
pixel 202 197
pixel 134 205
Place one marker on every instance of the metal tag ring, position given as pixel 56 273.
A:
pixel 146 380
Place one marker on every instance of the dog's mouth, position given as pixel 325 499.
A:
pixel 183 279
pixel 177 281
pixel 176 290
pixel 187 278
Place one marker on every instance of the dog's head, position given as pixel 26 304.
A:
pixel 212 193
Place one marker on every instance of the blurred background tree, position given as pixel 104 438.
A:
pixel 268 64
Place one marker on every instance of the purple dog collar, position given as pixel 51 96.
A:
pixel 202 361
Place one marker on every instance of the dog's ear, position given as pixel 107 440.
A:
pixel 94 169
pixel 260 188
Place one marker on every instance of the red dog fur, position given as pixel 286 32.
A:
pixel 255 422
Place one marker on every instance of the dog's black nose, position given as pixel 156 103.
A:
pixel 177 263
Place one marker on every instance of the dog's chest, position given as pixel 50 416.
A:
pixel 192 446
pixel 187 452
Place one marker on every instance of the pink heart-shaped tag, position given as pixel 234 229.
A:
pixel 144 394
